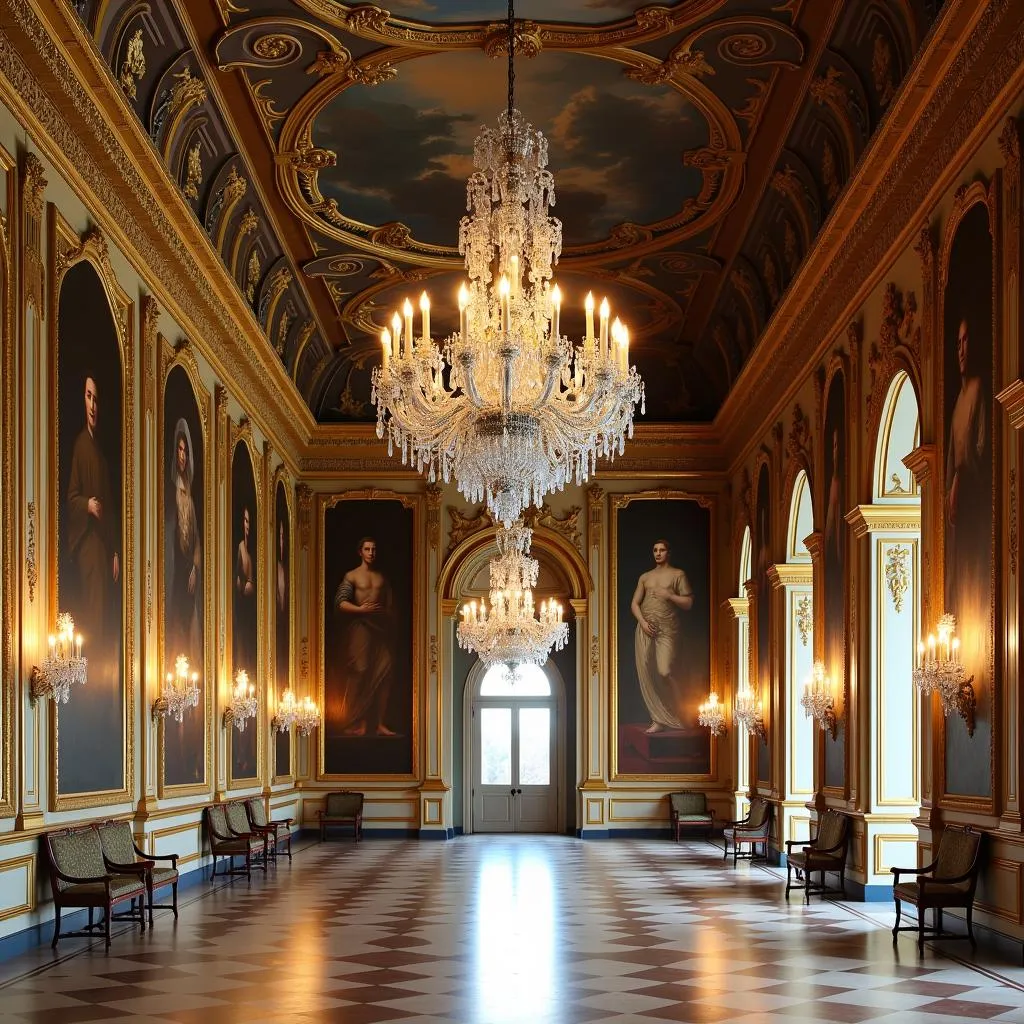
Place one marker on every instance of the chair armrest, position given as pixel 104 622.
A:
pixel 281 821
pixel 966 876
pixel 912 871
pixel 106 879
pixel 805 843
pixel 172 857
pixel 138 867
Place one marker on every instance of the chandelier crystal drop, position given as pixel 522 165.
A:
pixel 711 715
pixel 243 704
pixel 512 632
pixel 818 700
pixel 747 712
pixel 180 691
pixel 940 669
pixel 63 667
pixel 509 408
pixel 304 714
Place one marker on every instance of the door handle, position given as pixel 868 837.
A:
pixel 512 792
pixel 519 792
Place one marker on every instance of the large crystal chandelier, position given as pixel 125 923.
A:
pixel 510 408
pixel 512 633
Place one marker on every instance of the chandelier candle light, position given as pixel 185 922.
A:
pixel 940 670
pixel 512 633
pixel 818 702
pixel 748 713
pixel 180 692
pixel 304 714
pixel 510 408
pixel 711 715
pixel 243 705
pixel 63 666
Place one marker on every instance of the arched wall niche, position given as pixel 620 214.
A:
pixel 745 563
pixel 899 434
pixel 801 520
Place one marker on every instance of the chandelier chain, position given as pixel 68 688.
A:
pixel 511 72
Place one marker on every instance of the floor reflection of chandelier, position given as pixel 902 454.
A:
pixel 510 409
pixel 512 632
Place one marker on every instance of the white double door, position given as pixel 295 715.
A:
pixel 515 785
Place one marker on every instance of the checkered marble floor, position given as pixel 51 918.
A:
pixel 511 930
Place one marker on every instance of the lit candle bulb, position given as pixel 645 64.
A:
pixel 605 312
pixel 556 312
pixel 78 643
pixel 472 612
pixel 385 344
pixel 425 311
pixel 463 306
pixel 396 335
pixel 53 641
pixel 514 273
pixel 506 312
pixel 407 311
pixel 625 349
pixel 588 305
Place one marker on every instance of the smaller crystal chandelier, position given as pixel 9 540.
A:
pixel 63 666
pixel 512 633
pixel 304 714
pixel 711 715
pixel 818 702
pixel 180 692
pixel 242 705
pixel 748 713
pixel 940 670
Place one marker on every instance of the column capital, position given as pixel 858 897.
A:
pixel 1012 400
pixel 739 606
pixel 867 519
pixel 815 544
pixel 790 574
pixel 921 462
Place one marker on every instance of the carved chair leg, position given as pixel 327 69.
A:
pixel 896 926
pixel 174 899
pixel 920 930
pixel 56 925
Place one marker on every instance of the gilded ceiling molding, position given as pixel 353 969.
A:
pixel 305 334
pixel 898 345
pixel 231 193
pixel 376 24
pixel 680 62
pixel 186 93
pixel 799 443
pixel 280 281
pixel 828 91
pixel 133 67
pixel 33 198
pixel 248 223
pixel 788 184
pixel 749 40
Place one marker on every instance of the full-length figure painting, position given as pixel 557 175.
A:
pixel 183 482
pixel 663 634
pixel 835 567
pixel 244 605
pixel 368 637
pixel 763 605
pixel 90 584
pixel 968 522
pixel 282 620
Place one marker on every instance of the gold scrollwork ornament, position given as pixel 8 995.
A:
pixel 133 67
pixel 897 576
pixel 804 619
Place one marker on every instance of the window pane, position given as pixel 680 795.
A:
pixel 527 681
pixel 534 746
pixel 496 746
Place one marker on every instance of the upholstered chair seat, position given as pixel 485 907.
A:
pixel 690 811
pixel 119 848
pixel 826 852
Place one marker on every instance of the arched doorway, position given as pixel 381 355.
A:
pixel 515 749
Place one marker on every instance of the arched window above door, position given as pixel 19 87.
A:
pixel 526 681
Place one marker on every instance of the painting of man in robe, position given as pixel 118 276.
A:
pixel 244 637
pixel 184 552
pixel 835 567
pixel 368 637
pixel 663 664
pixel 282 620
pixel 967 492
pixel 90 584
pixel 763 605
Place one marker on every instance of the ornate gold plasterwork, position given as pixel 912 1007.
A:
pixel 679 62
pixel 595 513
pixel 433 654
pixel 187 92
pixel 305 498
pixel 252 273
pixel 896 485
pixel 308 159
pixel 133 67
pixel 566 526
pixel 899 330
pixel 798 444
pixel 804 619
pixel 897 575
pixel 193 172
pixel 434 495
pixel 31 569
pixel 35 185
pixel 149 595
pixel 595 655
pixel 463 526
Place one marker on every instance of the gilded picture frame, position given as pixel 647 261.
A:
pixel 620 595
pixel 282 486
pixel 66 250
pixel 183 358
pixel 240 438
pixel 417 581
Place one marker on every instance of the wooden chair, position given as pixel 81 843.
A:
pixel 224 844
pixel 949 881
pixel 120 855
pixel 825 852
pixel 238 826
pixel 690 811
pixel 752 831
pixel 79 878
pixel 344 808
pixel 277 830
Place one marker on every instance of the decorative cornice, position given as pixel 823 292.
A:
pixel 35 185
pixel 790 574
pixel 1012 400
pixel 739 606
pixel 921 462
pixel 865 519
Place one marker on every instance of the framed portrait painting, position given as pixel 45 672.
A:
pixel 94 456
pixel 834 562
pixel 183 483
pixel 244 574
pixel 968 519
pixel 662 633
pixel 763 607
pixel 282 620
pixel 369 634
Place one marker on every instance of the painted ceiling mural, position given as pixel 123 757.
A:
pixel 697 147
